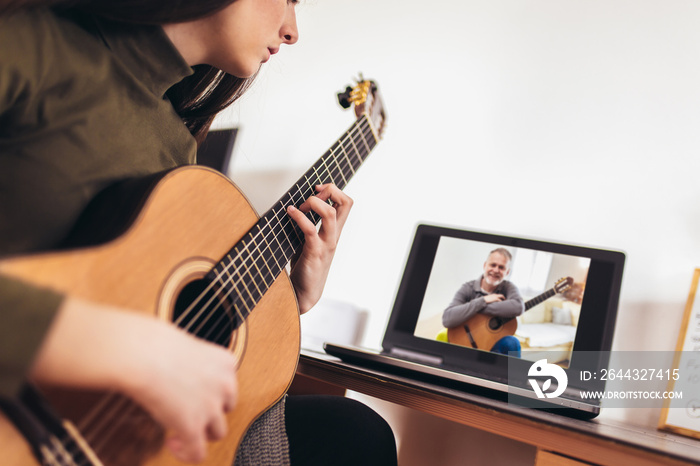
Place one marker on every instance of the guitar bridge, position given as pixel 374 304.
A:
pixel 52 440
pixel 471 337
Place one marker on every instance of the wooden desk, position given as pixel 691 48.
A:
pixel 559 440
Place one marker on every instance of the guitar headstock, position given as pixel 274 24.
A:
pixel 563 284
pixel 366 99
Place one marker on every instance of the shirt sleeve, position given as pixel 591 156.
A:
pixel 512 306
pixel 27 313
pixel 464 305
pixel 16 63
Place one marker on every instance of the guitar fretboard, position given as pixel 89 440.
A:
pixel 540 298
pixel 253 264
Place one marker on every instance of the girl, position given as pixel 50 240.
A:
pixel 95 92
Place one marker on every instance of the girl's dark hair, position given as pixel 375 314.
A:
pixel 197 98
pixel 200 96
pixel 129 11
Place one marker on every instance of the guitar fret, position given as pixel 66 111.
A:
pixel 248 269
pixel 65 452
pixel 317 179
pixel 368 136
pixel 370 142
pixel 61 454
pixel 311 183
pixel 261 263
pixel 280 247
pixel 357 151
pixel 347 159
pixel 363 138
pixel 49 456
pixel 330 170
pixel 267 251
pixel 276 238
pixel 294 230
pixel 351 170
pixel 373 131
pixel 325 177
pixel 262 277
pixel 539 299
pixel 241 285
pixel 259 274
pixel 375 135
pixel 227 271
pixel 340 170
pixel 234 285
pixel 364 141
pixel 330 174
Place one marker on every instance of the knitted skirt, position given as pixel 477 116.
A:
pixel 266 441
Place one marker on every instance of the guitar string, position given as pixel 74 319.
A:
pixel 326 171
pixel 64 454
pixel 255 240
pixel 55 452
pixel 253 253
pixel 50 457
pixel 333 175
pixel 59 452
pixel 119 409
pixel 246 264
pixel 286 221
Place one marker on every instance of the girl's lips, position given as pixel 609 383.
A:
pixel 271 51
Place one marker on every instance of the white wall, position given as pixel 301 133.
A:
pixel 571 120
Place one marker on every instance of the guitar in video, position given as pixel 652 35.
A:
pixel 482 314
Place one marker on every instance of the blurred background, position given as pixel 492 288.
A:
pixel 566 120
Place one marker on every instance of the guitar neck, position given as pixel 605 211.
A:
pixel 253 264
pixel 539 298
pixel 338 165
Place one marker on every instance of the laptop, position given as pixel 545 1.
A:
pixel 570 294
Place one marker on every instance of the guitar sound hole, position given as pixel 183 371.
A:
pixel 206 312
pixel 495 323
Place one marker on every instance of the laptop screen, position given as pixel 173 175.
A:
pixel 479 301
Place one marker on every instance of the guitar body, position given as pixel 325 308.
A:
pixel 187 223
pixel 16 450
pixel 481 331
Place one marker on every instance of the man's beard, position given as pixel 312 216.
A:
pixel 492 281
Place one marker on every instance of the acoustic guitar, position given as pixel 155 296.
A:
pixel 197 255
pixel 482 331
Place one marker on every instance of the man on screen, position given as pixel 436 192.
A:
pixel 490 294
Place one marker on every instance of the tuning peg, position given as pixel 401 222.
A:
pixel 344 98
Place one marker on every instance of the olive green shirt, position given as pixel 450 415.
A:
pixel 82 104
